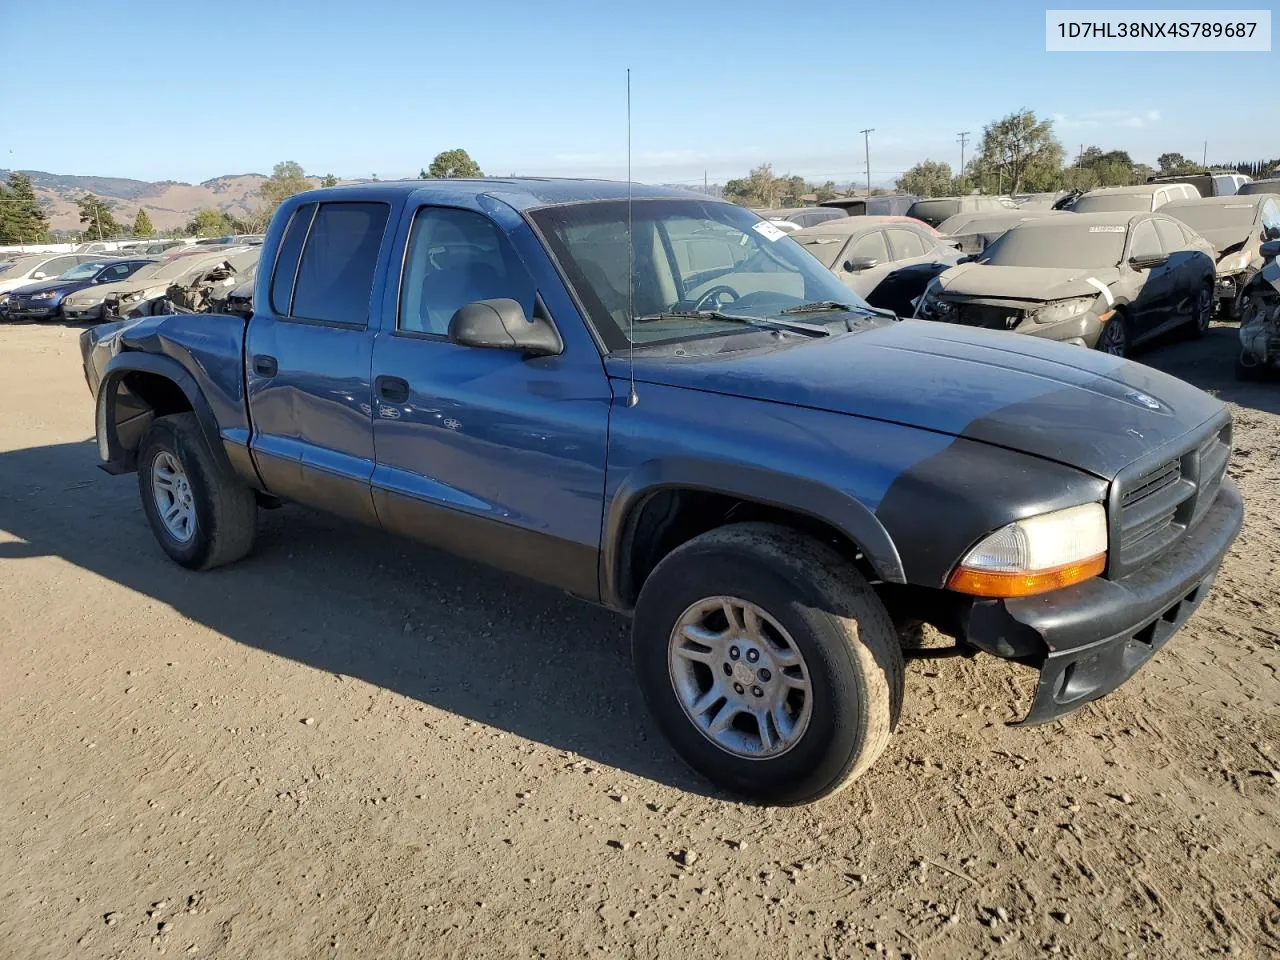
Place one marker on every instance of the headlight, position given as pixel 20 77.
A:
pixel 1233 263
pixel 1042 553
pixel 1063 310
pixel 47 295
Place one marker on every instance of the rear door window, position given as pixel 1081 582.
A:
pixel 335 274
pixel 287 258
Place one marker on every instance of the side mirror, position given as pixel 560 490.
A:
pixel 39 275
pixel 1148 260
pixel 1270 250
pixel 855 264
pixel 500 324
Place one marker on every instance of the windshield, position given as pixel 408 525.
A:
pixel 1259 186
pixel 86 271
pixel 826 249
pixel 937 210
pixel 688 255
pixel 1062 245
pixel 1215 216
pixel 1112 202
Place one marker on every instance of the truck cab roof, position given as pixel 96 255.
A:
pixel 522 193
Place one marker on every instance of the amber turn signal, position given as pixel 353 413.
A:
pixel 980 583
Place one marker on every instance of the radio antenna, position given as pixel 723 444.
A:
pixel 632 397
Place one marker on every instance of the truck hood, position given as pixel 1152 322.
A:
pixel 1040 284
pixel 1078 407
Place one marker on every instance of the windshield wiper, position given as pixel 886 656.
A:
pixel 819 306
pixel 766 323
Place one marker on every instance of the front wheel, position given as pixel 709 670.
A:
pixel 1202 312
pixel 1115 337
pixel 768 662
pixel 201 517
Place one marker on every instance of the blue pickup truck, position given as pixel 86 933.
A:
pixel 660 403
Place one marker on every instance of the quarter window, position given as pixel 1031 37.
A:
pixel 335 275
pixel 456 257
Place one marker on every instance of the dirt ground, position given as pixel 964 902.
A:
pixel 350 746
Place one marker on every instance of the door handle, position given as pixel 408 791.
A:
pixel 392 389
pixel 265 366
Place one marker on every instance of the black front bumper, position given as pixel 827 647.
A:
pixel 1090 638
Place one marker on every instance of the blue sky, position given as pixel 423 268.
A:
pixel 381 86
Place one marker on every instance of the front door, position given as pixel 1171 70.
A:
pixel 1156 303
pixel 485 452
pixel 309 353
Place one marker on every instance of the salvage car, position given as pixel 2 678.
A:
pixel 1104 280
pixel 88 303
pixel 885 205
pixel 772 478
pixel 1237 226
pixel 185 276
pixel 1260 318
pixel 972 233
pixel 1209 183
pixel 934 210
pixel 801 216
pixel 43 300
pixel 1145 197
pixel 887 261
pixel 1270 185
pixel 23 270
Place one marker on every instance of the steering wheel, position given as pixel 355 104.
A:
pixel 711 299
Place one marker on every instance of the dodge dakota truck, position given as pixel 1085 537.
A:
pixel 659 402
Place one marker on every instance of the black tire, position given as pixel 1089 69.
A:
pixel 1117 326
pixel 225 509
pixel 838 625
pixel 1202 313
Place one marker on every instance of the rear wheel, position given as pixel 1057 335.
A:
pixel 1115 337
pixel 1202 312
pixel 201 517
pixel 768 662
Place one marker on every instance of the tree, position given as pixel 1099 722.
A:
pixel 1022 152
pixel 759 188
pixel 1094 168
pixel 211 223
pixel 1175 164
pixel 286 179
pixel 328 180
pixel 929 178
pixel 826 192
pixel 142 224
pixel 451 163
pixel 22 219
pixel 94 214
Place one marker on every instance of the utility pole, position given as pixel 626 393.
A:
pixel 866 137
pixel 704 182
pixel 1204 159
pixel 964 138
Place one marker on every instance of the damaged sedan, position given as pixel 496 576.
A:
pixel 974 232
pixel 1260 317
pixel 1237 226
pixel 1104 280
pixel 194 280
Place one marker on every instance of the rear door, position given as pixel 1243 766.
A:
pixel 485 452
pixel 308 354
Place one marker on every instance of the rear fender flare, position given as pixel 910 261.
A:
pixel 798 495
pixel 115 455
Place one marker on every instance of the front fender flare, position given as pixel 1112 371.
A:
pixel 116 456
pixel 796 494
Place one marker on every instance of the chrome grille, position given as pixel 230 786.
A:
pixel 1152 505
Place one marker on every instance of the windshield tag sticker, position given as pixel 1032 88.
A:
pixel 1109 228
pixel 1102 288
pixel 768 230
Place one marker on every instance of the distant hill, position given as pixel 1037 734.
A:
pixel 169 203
